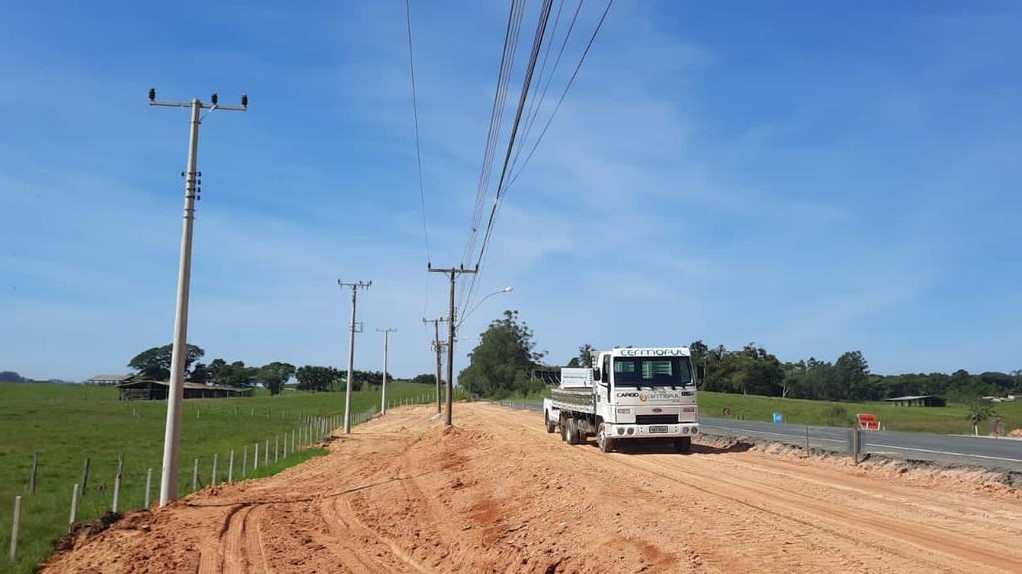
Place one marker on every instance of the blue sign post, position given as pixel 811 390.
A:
pixel 778 418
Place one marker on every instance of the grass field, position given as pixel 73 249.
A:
pixel 951 419
pixel 66 424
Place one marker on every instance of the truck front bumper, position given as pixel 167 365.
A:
pixel 627 430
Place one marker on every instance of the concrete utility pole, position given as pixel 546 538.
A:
pixel 453 272
pixel 438 348
pixel 351 348
pixel 172 436
pixel 383 399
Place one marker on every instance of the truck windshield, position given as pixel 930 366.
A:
pixel 652 371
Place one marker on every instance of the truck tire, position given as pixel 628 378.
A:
pixel 551 426
pixel 605 442
pixel 565 436
pixel 683 444
pixel 571 433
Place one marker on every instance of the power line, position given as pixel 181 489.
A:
pixel 537 42
pixel 511 36
pixel 564 93
pixel 542 95
pixel 415 111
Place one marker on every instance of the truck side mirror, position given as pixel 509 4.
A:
pixel 597 375
pixel 700 374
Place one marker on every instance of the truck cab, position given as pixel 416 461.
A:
pixel 646 393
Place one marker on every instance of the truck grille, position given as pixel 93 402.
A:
pixel 656 419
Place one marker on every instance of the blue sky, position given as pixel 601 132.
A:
pixel 813 177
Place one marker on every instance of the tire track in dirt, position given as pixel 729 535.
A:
pixel 232 544
pixel 840 523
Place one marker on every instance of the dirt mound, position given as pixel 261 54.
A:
pixel 496 493
pixel 82 531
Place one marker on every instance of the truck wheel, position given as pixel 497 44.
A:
pixel 565 431
pixel 571 433
pixel 605 443
pixel 551 426
pixel 683 444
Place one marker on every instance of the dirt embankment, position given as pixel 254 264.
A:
pixel 498 494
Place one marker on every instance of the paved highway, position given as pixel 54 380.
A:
pixel 978 451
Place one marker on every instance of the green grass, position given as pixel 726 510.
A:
pixel 67 423
pixel 945 420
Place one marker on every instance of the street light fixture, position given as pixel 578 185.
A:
pixel 497 292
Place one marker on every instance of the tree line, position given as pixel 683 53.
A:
pixel 753 370
pixel 155 363
pixel 505 358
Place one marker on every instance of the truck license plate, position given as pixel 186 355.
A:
pixel 658 429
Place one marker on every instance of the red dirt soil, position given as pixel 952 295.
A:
pixel 496 493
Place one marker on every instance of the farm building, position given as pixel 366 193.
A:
pixel 108 380
pixel 144 390
pixel 918 401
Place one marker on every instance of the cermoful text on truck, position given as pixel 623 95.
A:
pixel 629 394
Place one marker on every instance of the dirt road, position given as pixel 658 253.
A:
pixel 497 493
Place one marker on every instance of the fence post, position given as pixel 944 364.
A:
pixel 14 528
pixel 266 452
pixel 212 479
pixel 283 450
pixel 230 469
pixel 85 478
pixel 244 463
pixel 117 482
pixel 148 485
pixel 117 492
pixel 35 468
pixel 74 507
pixel 255 462
pixel 807 440
pixel 276 448
pixel 292 441
pixel 195 476
pixel 856 444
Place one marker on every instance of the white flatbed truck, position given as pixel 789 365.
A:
pixel 630 394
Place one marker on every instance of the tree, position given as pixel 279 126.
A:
pixel 275 375
pixel 10 377
pixel 425 379
pixel 502 361
pixel 235 374
pixel 154 363
pixel 201 374
pixel 316 378
pixel 853 375
pixel 585 355
pixel 700 353
pixel 979 411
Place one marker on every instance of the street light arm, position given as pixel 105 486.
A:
pixel 476 306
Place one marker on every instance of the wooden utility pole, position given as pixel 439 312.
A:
pixel 438 348
pixel 351 347
pixel 453 273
